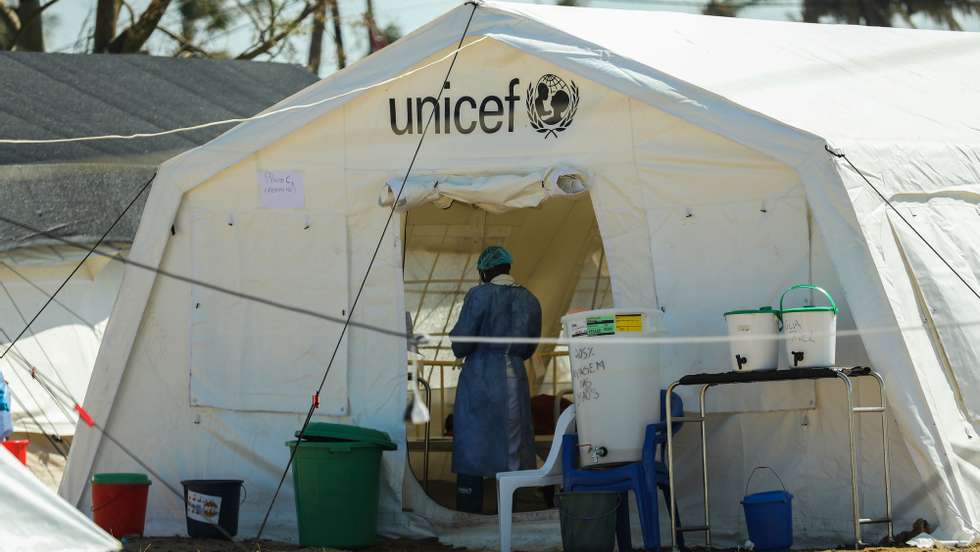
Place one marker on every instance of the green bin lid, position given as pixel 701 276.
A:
pixel 121 479
pixel 323 431
pixel 760 310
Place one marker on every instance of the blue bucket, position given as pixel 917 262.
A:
pixel 769 517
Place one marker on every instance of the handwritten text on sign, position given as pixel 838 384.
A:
pixel 589 364
pixel 281 189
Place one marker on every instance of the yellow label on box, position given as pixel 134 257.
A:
pixel 629 323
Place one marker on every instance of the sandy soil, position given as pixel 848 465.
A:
pixel 200 545
pixel 44 461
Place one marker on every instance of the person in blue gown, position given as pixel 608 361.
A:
pixel 492 424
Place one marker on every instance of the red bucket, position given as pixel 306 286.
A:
pixel 18 447
pixel 119 502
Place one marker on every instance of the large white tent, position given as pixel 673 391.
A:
pixel 702 144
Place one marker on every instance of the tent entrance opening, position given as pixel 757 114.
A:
pixel 558 256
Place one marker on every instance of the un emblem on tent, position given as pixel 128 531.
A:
pixel 551 104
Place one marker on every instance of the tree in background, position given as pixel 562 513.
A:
pixel 134 36
pixel 726 8
pixel 31 35
pixel 316 37
pixel 197 16
pixel 882 13
pixel 878 13
pixel 379 37
pixel 195 27
pixel 338 36
pixel 106 15
pixel 120 29
pixel 391 33
pixel 22 27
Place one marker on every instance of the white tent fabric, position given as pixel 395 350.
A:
pixel 62 344
pixel 950 224
pixel 494 194
pixel 702 132
pixel 35 519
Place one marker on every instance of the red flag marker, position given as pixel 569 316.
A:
pixel 84 415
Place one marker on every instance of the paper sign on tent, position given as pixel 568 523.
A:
pixel 281 189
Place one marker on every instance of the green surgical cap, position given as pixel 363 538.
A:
pixel 493 256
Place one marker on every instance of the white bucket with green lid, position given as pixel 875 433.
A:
pixel 754 344
pixel 810 332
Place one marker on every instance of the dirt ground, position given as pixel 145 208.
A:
pixel 200 545
pixel 206 545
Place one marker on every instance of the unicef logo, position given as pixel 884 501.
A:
pixel 551 104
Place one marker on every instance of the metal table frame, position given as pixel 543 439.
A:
pixel 845 375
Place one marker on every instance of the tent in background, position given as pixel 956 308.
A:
pixel 76 190
pixel 702 143
pixel 35 519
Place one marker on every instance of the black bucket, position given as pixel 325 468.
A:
pixel 212 507
pixel 588 520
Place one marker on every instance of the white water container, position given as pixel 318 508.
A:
pixel 810 333
pixel 754 345
pixel 617 385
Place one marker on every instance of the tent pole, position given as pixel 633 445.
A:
pixel 598 274
pixel 459 287
pixel 432 270
pixel 445 328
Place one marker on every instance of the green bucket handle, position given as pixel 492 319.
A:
pixel 830 299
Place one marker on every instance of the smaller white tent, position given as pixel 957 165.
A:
pixel 73 191
pixel 35 519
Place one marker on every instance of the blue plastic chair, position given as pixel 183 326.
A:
pixel 643 478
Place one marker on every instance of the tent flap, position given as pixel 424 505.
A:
pixel 952 226
pixel 496 193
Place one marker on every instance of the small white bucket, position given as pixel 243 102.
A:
pixel 748 354
pixel 810 333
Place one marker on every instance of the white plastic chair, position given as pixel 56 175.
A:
pixel 548 474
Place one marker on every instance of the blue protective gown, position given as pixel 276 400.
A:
pixel 492 426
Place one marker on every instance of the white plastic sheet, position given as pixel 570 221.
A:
pixel 35 519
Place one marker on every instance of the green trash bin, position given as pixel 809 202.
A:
pixel 335 475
